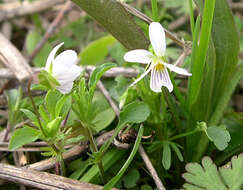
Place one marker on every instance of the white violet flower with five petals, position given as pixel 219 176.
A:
pixel 63 68
pixel 157 61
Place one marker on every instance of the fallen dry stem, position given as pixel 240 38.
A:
pixel 51 29
pixel 16 9
pixel 42 180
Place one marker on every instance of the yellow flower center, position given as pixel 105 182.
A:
pixel 159 66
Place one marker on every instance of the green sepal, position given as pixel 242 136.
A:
pixel 53 126
pixel 47 80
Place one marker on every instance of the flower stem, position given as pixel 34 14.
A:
pixel 94 148
pixel 34 106
pixel 60 162
pixel 155 10
pixel 183 135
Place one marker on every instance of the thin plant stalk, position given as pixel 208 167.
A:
pixel 94 148
pixel 34 106
pixel 155 10
pixel 42 129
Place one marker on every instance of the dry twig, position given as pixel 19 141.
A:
pixel 51 29
pixel 13 59
pixel 16 9
pixel 42 180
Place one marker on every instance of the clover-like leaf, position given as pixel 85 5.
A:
pixel 219 135
pixel 207 176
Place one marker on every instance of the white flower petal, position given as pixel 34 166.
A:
pixel 67 58
pixel 65 74
pixel 157 38
pixel 159 79
pixel 138 56
pixel 177 69
pixel 51 56
pixel 65 88
pixel 142 75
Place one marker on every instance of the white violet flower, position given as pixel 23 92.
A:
pixel 157 61
pixel 63 68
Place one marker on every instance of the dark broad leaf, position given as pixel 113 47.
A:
pixel 23 136
pixel 116 20
pixel 226 43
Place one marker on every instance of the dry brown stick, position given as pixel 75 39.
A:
pixel 51 29
pixel 42 180
pixel 108 97
pixel 151 168
pixel 16 9
pixel 13 59
pixel 141 149
pixel 148 20
pixel 178 22
pixel 6 73
pixel 236 6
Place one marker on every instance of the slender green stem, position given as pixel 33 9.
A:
pixel 191 16
pixel 155 10
pixel 183 135
pixel 94 148
pixel 172 107
pixel 60 159
pixel 35 108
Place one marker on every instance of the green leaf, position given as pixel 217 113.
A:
pixel 146 187
pixel 131 179
pixel 115 179
pixel 30 115
pixel 198 66
pixel 166 159
pixel 23 136
pixel 232 173
pixel 116 20
pixel 219 135
pixel 135 112
pixel 96 51
pixel 177 151
pixel 96 75
pixel 51 100
pixel 61 104
pixel 32 39
pixel 104 113
pixel 53 126
pixel 209 177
